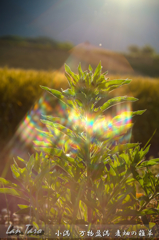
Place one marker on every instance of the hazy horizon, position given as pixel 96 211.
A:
pixel 111 24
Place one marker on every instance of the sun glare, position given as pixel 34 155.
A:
pixel 108 125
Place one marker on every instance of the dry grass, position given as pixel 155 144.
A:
pixel 31 57
pixel 20 88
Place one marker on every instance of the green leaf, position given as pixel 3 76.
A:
pixel 149 211
pixel 120 117
pixel 42 144
pixel 148 163
pixel 143 153
pixel 123 147
pixel 54 92
pixel 60 128
pixel 7 183
pixel 68 92
pixel 9 191
pixel 51 151
pixel 70 80
pixel 113 87
pixel 116 83
pixel 44 133
pixel 81 164
pixel 35 225
pixel 80 72
pixel 70 73
pixel 151 225
pixel 112 171
pixel 150 139
pixel 27 211
pixel 71 104
pixel 97 73
pixel 15 172
pixel 30 164
pixel 101 82
pixel 22 160
pixel 90 68
pixel 51 118
pixel 105 73
pixel 115 101
pixel 58 95
pixel 80 104
pixel 137 155
pixel 21 206
pixel 139 112
pixel 41 175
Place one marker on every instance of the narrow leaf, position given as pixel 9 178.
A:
pixel 9 191
pixel 69 72
pixel 21 206
pixel 150 139
pixel 97 73
pixel 151 162
pixel 115 101
pixel 54 92
pixel 80 72
pixel 90 68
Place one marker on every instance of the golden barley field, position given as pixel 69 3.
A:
pixel 19 89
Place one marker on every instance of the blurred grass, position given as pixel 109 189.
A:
pixel 31 56
pixel 47 54
pixel 19 89
pixel 146 65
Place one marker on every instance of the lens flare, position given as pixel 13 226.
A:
pixel 107 125
pixel 22 142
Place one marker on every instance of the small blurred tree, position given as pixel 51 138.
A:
pixel 147 50
pixel 134 50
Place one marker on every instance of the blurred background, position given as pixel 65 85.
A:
pixel 38 37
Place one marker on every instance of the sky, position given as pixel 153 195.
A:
pixel 111 24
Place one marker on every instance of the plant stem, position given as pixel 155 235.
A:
pixel 7 206
pixel 147 202
pixel 144 205
pixel 89 210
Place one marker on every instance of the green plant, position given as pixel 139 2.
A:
pixel 83 173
